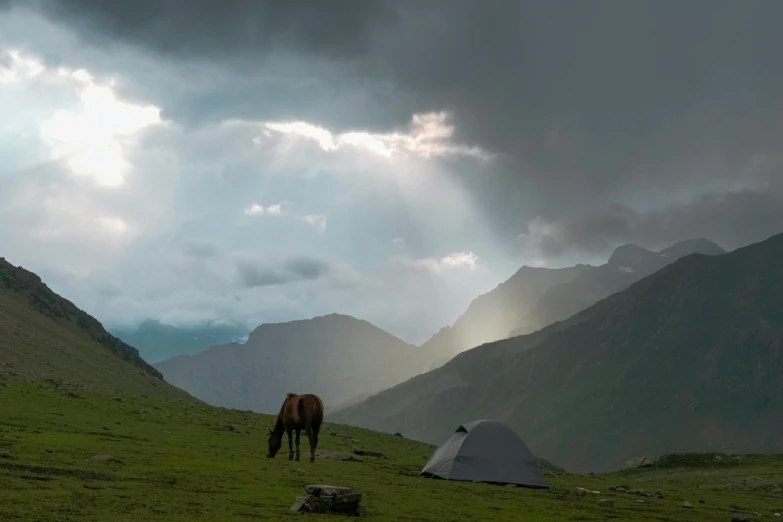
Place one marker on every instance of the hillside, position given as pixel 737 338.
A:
pixel 335 356
pixel 176 461
pixel 687 359
pixel 46 337
pixel 535 297
pixel 627 264
pixel 157 341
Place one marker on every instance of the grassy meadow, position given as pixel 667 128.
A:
pixel 179 460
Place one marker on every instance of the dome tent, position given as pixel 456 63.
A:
pixel 485 451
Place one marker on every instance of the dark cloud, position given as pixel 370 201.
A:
pixel 587 103
pixel 253 273
pixel 732 220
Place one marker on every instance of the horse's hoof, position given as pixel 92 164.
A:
pixel 312 459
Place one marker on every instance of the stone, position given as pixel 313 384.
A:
pixel 6 455
pixel 398 435
pixel 640 501
pixel 740 517
pixel 655 494
pixel 606 503
pixel 329 499
pixel 613 488
pixel 687 505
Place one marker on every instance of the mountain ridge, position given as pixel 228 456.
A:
pixel 336 356
pixel 688 357
pixel 44 336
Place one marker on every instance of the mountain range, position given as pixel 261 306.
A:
pixel 338 357
pixel 44 337
pixel 535 297
pixel 689 358
pixel 157 341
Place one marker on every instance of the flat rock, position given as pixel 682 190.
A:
pixel 687 505
pixel 740 517
pixel 606 503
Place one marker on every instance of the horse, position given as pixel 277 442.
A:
pixel 298 412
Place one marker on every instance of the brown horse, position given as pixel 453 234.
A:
pixel 299 412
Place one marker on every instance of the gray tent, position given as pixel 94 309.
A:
pixel 485 451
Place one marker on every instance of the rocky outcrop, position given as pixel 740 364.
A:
pixel 329 499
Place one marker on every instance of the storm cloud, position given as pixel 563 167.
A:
pixel 544 132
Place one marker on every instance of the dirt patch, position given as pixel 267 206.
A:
pixel 62 472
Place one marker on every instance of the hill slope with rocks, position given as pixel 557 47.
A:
pixel 337 357
pixel 157 341
pixel 687 359
pixel 46 337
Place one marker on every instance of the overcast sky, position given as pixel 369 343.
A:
pixel 266 161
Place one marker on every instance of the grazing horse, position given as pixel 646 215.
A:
pixel 299 412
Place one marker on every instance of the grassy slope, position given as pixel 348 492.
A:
pixel 174 466
pixel 36 347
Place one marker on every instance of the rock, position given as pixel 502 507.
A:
pixel 613 488
pixel 776 515
pixel 329 499
pixel 640 501
pixel 740 517
pixel 398 435
pixel 606 503
pixel 687 505
pixel 656 494
pixel 103 457
pixel 580 491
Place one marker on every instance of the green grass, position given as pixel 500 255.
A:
pixel 173 465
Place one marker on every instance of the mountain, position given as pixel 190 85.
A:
pixel 627 264
pixel 44 337
pixel 338 357
pixel 689 358
pixel 157 341
pixel 492 315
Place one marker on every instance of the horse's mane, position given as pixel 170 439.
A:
pixel 289 395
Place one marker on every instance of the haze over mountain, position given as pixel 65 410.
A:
pixel 157 341
pixel 535 297
pixel 44 337
pixel 338 357
pixel 687 359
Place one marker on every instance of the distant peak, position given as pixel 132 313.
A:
pixel 628 255
pixel 693 246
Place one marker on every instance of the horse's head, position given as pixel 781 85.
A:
pixel 275 443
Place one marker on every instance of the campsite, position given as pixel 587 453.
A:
pixel 172 460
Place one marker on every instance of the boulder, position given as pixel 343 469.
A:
pixel 606 503
pixel 329 499
pixel 687 505
pixel 740 517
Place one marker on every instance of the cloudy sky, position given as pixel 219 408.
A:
pixel 266 161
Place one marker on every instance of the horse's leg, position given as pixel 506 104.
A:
pixel 315 445
pixel 311 439
pixel 290 447
pixel 297 445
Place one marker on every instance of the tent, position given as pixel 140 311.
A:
pixel 485 451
